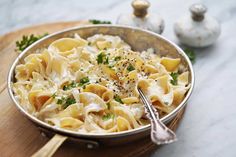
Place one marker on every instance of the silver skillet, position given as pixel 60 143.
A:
pixel 139 40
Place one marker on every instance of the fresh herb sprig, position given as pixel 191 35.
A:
pixel 191 54
pixel 83 81
pixel 94 21
pixel 130 67
pixel 108 106
pixel 66 101
pixel 102 58
pixel 118 99
pixel 26 41
pixel 108 116
pixel 174 80
pixel 117 58
pixel 74 84
pixel 54 95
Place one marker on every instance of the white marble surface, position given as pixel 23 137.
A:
pixel 209 125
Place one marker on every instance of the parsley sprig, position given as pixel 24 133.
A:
pixel 108 116
pixel 74 84
pixel 83 81
pixel 66 101
pixel 108 106
pixel 26 41
pixel 130 68
pixel 102 58
pixel 94 21
pixel 174 80
pixel 118 99
pixel 191 55
pixel 117 58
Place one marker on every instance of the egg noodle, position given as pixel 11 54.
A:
pixel 91 85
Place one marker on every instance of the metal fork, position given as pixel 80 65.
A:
pixel 160 134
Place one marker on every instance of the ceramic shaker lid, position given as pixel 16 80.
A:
pixel 141 18
pixel 199 29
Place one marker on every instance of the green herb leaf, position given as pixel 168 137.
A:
pixel 61 101
pixel 106 61
pixel 118 99
pixel 65 102
pixel 174 80
pixel 54 95
pixel 108 106
pixel 94 21
pixel 66 87
pixel 73 84
pixel 191 55
pixel 84 80
pixel 117 58
pixel 26 41
pixel 130 68
pixel 100 57
pixel 69 101
pixel 108 116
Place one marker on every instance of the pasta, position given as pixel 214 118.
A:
pixel 90 85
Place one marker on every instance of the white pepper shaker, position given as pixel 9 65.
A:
pixel 141 18
pixel 199 30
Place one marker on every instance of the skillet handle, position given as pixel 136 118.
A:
pixel 50 147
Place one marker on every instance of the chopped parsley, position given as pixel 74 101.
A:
pixel 108 116
pixel 26 41
pixel 69 101
pixel 94 21
pixel 174 80
pixel 108 106
pixel 130 68
pixel 54 95
pixel 73 84
pixel 65 102
pixel 61 101
pixel 84 80
pixel 117 58
pixel 118 99
pixel 191 55
pixel 102 58
pixel 106 61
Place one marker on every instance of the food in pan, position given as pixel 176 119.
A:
pixel 91 85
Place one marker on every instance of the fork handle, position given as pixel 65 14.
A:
pixel 160 134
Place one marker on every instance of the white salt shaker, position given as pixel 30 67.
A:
pixel 141 18
pixel 199 30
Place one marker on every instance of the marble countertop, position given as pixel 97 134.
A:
pixel 209 125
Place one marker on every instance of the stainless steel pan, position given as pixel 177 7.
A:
pixel 139 40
